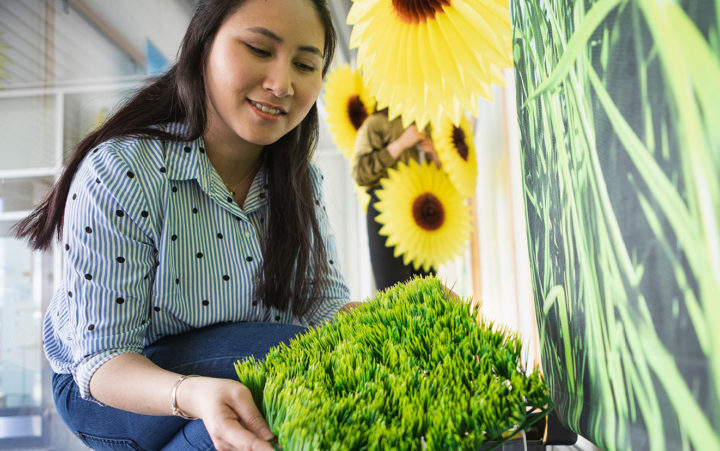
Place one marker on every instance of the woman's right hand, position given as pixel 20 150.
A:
pixel 228 412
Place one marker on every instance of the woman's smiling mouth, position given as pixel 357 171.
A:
pixel 267 109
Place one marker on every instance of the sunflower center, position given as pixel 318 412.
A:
pixel 416 11
pixel 459 143
pixel 356 111
pixel 428 212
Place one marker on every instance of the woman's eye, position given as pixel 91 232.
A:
pixel 305 67
pixel 257 51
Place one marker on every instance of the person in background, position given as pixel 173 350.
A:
pixel 382 144
pixel 194 234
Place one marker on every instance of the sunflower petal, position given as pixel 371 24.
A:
pixel 435 67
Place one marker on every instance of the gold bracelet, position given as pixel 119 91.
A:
pixel 173 398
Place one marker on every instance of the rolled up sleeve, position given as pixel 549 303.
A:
pixel 372 159
pixel 109 263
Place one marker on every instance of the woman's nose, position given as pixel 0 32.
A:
pixel 278 79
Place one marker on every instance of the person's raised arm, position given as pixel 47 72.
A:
pixel 375 153
pixel 409 138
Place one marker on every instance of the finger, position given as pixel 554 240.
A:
pixel 251 416
pixel 429 151
pixel 237 437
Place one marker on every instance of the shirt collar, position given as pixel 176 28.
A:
pixel 258 194
pixel 184 159
pixel 187 160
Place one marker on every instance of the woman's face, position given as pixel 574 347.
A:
pixel 264 70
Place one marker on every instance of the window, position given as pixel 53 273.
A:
pixel 62 71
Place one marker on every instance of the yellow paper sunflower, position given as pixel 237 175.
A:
pixel 456 151
pixel 425 59
pixel 422 215
pixel 348 104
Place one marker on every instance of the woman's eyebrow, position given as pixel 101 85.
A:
pixel 265 32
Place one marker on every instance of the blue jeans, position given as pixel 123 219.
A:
pixel 210 351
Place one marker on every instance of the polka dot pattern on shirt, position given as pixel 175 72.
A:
pixel 160 216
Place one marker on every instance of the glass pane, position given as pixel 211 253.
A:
pixel 85 111
pixel 22 194
pixel 27 128
pixel 21 306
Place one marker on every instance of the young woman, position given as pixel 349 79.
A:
pixel 194 234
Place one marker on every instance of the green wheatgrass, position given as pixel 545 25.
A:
pixel 408 369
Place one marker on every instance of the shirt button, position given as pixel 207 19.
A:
pixel 247 234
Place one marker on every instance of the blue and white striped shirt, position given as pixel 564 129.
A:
pixel 154 245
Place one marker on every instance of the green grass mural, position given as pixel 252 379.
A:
pixel 619 111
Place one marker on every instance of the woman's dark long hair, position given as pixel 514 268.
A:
pixel 293 241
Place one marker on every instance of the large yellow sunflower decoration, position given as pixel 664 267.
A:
pixel 348 104
pixel 422 215
pixel 456 151
pixel 425 59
